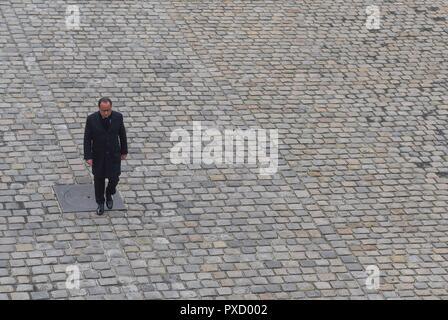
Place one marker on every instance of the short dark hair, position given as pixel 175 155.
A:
pixel 104 99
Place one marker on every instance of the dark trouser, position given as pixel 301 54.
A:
pixel 100 183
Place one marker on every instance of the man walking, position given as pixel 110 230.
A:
pixel 105 145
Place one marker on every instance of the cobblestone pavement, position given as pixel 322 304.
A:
pixel 362 124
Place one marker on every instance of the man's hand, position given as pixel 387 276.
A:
pixel 89 162
pixel 123 156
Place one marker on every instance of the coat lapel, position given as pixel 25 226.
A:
pixel 111 117
pixel 99 121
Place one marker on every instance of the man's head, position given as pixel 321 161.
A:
pixel 105 107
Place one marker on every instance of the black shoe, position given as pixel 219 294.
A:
pixel 100 209
pixel 109 201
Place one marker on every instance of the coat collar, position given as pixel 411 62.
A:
pixel 99 118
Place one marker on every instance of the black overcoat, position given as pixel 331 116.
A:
pixel 105 147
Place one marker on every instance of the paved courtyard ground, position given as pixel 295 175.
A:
pixel 361 116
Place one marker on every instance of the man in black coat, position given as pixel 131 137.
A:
pixel 105 145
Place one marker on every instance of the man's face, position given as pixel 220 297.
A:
pixel 105 109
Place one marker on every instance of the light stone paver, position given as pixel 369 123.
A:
pixel 362 123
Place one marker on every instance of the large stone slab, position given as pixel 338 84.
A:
pixel 81 198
